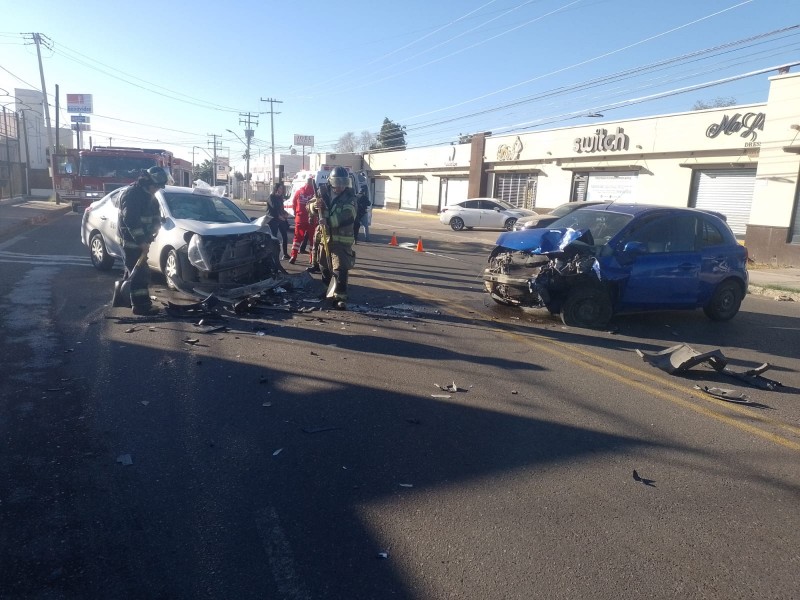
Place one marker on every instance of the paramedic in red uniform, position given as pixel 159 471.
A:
pixel 302 225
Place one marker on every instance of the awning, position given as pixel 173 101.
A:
pixel 720 165
pixel 601 168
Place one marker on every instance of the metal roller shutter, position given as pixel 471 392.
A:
pixel 518 189
pixel 378 193
pixel 456 190
pixel 725 191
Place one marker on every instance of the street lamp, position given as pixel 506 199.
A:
pixel 247 163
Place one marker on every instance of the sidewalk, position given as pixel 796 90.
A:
pixel 20 213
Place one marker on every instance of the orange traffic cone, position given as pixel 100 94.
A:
pixel 393 241
pixel 419 245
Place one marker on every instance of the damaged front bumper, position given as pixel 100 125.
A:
pixel 232 266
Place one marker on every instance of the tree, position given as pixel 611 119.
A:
pixel 346 143
pixel 366 141
pixel 392 136
pixel 718 102
pixel 202 171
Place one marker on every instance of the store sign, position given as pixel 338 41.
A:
pixel 506 152
pixel 745 125
pixel 79 103
pixel 602 141
pixel 303 140
pixel 451 158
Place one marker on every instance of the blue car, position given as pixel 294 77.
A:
pixel 614 258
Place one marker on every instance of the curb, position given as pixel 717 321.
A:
pixel 757 290
pixel 30 222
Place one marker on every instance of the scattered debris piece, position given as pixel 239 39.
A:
pixel 60 389
pixel 441 396
pixel 319 429
pixel 267 404
pixel 383 555
pixel 144 402
pixel 725 394
pixel 650 482
pixel 450 388
pixel 406 485
pixel 278 451
pixel 131 329
pixel 515 392
pixel 314 353
pixel 125 459
pixel 784 298
pixel 682 357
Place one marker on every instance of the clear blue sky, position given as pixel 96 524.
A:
pixel 171 73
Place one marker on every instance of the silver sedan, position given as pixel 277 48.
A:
pixel 205 241
pixel 482 212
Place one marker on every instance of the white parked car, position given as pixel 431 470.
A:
pixel 482 212
pixel 206 243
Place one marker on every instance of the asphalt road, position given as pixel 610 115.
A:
pixel 311 455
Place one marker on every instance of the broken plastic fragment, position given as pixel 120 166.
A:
pixel 408 485
pixel 278 451
pixel 444 396
pixel 725 394
pixel 191 341
pixel 145 402
pixel 267 404
pixel 125 459
pixel 383 555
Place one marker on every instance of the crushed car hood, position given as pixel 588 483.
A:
pixel 203 228
pixel 542 241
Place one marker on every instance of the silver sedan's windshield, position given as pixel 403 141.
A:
pixel 603 224
pixel 210 209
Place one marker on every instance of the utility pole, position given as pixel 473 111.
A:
pixel 37 39
pixel 247 120
pixel 272 131
pixel 214 164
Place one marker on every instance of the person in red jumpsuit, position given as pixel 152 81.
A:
pixel 302 226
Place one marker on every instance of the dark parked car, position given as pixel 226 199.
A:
pixel 603 260
pixel 544 219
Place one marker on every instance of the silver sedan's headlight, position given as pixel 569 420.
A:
pixel 198 255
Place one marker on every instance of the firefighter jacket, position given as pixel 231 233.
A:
pixel 300 204
pixel 338 217
pixel 139 216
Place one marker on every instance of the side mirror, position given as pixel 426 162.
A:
pixel 497 209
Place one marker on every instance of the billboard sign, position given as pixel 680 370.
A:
pixel 79 103
pixel 79 118
pixel 303 140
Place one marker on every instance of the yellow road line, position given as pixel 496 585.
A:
pixel 589 361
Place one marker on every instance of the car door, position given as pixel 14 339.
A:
pixel 491 214
pixel 107 222
pixel 470 213
pixel 720 257
pixel 665 272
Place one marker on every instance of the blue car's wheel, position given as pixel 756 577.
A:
pixel 587 306
pixel 725 302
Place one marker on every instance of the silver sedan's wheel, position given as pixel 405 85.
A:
pixel 456 223
pixel 101 259
pixel 509 224
pixel 172 270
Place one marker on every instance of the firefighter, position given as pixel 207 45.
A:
pixel 139 221
pixel 301 221
pixel 337 217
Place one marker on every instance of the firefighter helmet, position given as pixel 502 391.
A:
pixel 158 176
pixel 339 178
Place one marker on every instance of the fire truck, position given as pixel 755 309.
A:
pixel 84 176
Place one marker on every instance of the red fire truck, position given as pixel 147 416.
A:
pixel 84 176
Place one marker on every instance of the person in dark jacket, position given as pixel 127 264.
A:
pixel 139 221
pixel 278 221
pixel 362 214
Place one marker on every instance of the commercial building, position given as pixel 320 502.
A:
pixel 742 161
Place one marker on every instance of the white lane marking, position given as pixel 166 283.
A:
pixel 43 259
pixel 279 555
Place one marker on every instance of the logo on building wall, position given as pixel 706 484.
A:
pixel 602 141
pixel 506 152
pixel 745 125
pixel 451 158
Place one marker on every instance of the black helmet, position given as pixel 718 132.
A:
pixel 158 176
pixel 339 178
